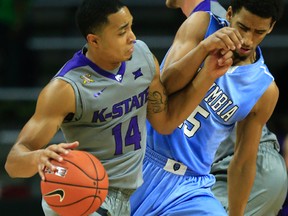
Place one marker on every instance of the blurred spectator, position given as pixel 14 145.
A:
pixel 16 60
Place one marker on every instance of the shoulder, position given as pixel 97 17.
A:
pixel 273 91
pixel 195 26
pixel 267 103
pixel 56 99
pixel 142 51
pixel 197 19
pixel 57 91
pixel 198 16
pixel 56 85
pixel 260 64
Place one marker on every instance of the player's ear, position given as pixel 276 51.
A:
pixel 271 27
pixel 229 13
pixel 92 39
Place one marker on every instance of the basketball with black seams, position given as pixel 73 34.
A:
pixel 78 187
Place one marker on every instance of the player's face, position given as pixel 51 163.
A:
pixel 252 28
pixel 116 42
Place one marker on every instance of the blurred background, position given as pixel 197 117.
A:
pixel 38 36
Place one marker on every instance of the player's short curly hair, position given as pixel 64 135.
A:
pixel 261 8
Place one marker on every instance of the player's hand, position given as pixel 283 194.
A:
pixel 218 63
pixel 225 39
pixel 53 152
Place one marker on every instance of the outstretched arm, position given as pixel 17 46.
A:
pixel 28 155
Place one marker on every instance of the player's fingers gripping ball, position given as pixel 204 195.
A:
pixel 78 187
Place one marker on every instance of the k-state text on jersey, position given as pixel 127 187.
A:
pixel 121 108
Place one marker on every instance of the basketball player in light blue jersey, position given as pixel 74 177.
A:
pixel 101 97
pixel 177 179
pixel 266 197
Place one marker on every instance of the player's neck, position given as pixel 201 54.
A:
pixel 101 62
pixel 249 60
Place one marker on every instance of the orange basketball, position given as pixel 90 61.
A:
pixel 78 187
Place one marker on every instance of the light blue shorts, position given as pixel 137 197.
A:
pixel 166 193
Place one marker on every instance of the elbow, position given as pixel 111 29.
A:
pixel 14 172
pixel 10 167
pixel 169 91
pixel 168 125
pixel 9 170
pixel 164 125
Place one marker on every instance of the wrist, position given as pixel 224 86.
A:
pixel 204 47
pixel 207 75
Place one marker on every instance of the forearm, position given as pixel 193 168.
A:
pixel 21 162
pixel 182 103
pixel 240 183
pixel 183 70
pixel 190 97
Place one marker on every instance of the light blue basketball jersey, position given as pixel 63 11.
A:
pixel 229 100
pixel 169 188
